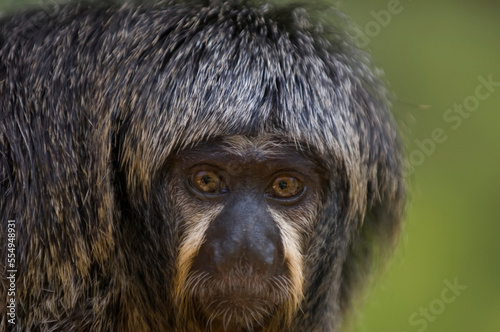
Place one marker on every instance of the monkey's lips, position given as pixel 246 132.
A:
pixel 238 303
pixel 238 293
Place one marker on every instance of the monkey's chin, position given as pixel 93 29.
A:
pixel 237 311
pixel 238 300
pixel 237 303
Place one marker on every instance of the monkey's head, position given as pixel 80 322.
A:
pixel 271 153
pixel 226 167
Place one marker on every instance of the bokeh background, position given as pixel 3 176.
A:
pixel 437 56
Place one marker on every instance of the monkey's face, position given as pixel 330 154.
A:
pixel 245 206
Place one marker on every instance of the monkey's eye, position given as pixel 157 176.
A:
pixel 286 187
pixel 208 182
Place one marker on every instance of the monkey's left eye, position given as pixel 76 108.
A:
pixel 208 182
pixel 286 187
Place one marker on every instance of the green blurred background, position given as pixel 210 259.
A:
pixel 434 55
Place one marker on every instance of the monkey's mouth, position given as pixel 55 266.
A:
pixel 234 290
pixel 237 307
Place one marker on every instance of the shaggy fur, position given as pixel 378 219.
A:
pixel 96 99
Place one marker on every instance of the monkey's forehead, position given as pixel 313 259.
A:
pixel 262 146
pixel 265 149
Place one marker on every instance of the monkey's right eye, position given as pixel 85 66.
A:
pixel 208 182
pixel 286 187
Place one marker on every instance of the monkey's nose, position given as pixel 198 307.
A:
pixel 254 256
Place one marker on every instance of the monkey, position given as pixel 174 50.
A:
pixel 190 166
